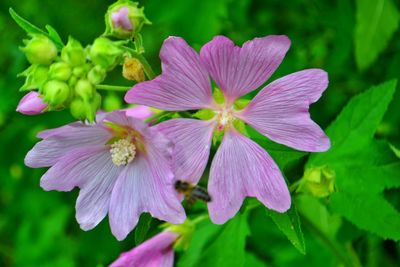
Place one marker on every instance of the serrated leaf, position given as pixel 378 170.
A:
pixel 377 20
pixel 228 247
pixel 142 228
pixel 24 24
pixel 369 212
pixel 355 126
pixel 289 224
pixel 364 167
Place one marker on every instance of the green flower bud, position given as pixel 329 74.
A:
pixel 124 19
pixel 72 81
pixel 97 75
pixel 318 181
pixel 112 102
pixel 78 109
pixel 35 75
pixel 81 71
pixel 73 53
pixel 60 71
pixel 56 92
pixel 40 50
pixel 106 53
pixel 85 89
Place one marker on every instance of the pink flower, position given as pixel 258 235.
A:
pixel 155 252
pixel 279 111
pixel 121 166
pixel 31 104
pixel 121 19
pixel 139 112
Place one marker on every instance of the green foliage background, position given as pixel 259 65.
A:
pixel 356 42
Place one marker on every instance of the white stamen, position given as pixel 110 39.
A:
pixel 224 118
pixel 122 152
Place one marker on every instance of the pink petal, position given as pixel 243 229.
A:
pixel 192 140
pixel 242 168
pixel 183 85
pixel 94 197
pixel 60 141
pixel 139 112
pixel 155 252
pixel 145 185
pixel 31 104
pixel 238 71
pixel 280 111
pixel 121 19
pixel 74 169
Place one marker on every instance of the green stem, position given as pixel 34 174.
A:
pixel 112 87
pixel 330 244
pixel 146 66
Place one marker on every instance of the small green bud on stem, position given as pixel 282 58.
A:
pixel 40 50
pixel 73 53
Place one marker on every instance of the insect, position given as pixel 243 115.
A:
pixel 192 192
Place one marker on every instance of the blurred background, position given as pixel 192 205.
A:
pixel 38 228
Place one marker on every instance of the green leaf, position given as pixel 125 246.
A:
pixel 253 261
pixel 24 24
pixel 32 29
pixel 204 233
pixel 377 20
pixel 355 126
pixel 289 224
pixel 142 228
pixel 228 247
pixel 364 167
pixel 55 37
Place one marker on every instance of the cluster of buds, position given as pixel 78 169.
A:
pixel 68 78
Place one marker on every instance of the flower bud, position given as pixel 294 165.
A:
pixel 73 53
pixel 60 71
pixel 105 53
pixel 318 181
pixel 40 50
pixel 133 70
pixel 124 19
pixel 96 75
pixel 140 112
pixel 78 109
pixel 31 104
pixel 85 89
pixel 35 75
pixel 56 92
pixel 72 81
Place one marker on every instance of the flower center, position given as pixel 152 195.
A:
pixel 122 151
pixel 224 119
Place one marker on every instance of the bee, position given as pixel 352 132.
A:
pixel 192 192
